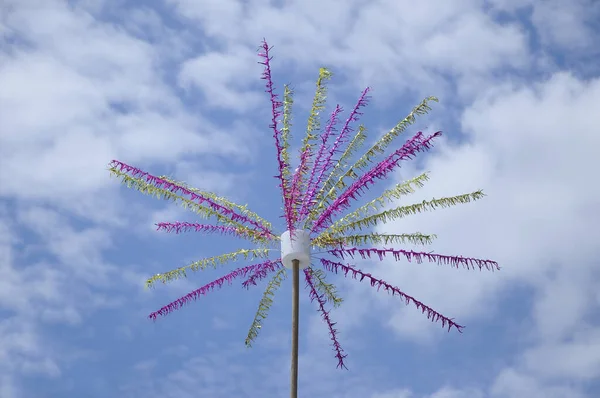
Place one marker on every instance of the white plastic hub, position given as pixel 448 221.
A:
pixel 296 247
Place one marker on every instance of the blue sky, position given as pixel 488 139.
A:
pixel 173 87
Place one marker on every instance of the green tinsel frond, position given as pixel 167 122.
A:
pixel 264 305
pixel 243 209
pixel 328 186
pixel 207 262
pixel 402 189
pixel 403 211
pixel 416 238
pixel 203 211
pixel 288 102
pixel 328 289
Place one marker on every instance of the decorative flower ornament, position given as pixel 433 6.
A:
pixel 321 188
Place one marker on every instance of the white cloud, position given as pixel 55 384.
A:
pixel 532 150
pixel 375 43
pixel 63 287
pixel 228 73
pixel 77 90
pixel 578 358
pixel 571 29
pixel 82 93
pixel 513 384
pixel 447 392
pixel 403 393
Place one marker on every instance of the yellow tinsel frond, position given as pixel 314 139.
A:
pixel 403 211
pixel 264 305
pixel 328 186
pixel 378 147
pixel 243 209
pixel 213 262
pixel 288 101
pixel 203 211
pixel 402 189
pixel 416 238
pixel 327 289
pixel 314 123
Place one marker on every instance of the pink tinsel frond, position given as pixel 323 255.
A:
pixel 295 194
pixel 183 226
pixel 379 171
pixel 341 138
pixel 454 261
pixel 276 111
pixel 176 189
pixel 261 272
pixel 314 295
pixel 320 165
pixel 433 315
pixel 194 295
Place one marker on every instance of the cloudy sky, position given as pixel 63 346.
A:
pixel 174 87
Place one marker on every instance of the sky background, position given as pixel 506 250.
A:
pixel 174 87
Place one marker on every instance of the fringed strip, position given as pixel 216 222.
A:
pixel 264 305
pixel 320 299
pixel 276 111
pixel 454 261
pixel 161 183
pixel 286 130
pixel 400 212
pixel 183 226
pixel 395 193
pixel 314 124
pixel 379 171
pixel 379 147
pixel 243 209
pixel 204 211
pixel 327 165
pixel 327 289
pixel 319 165
pixel 261 272
pixel 416 238
pixel 194 295
pixel 215 261
pixel 329 188
pixel 432 314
